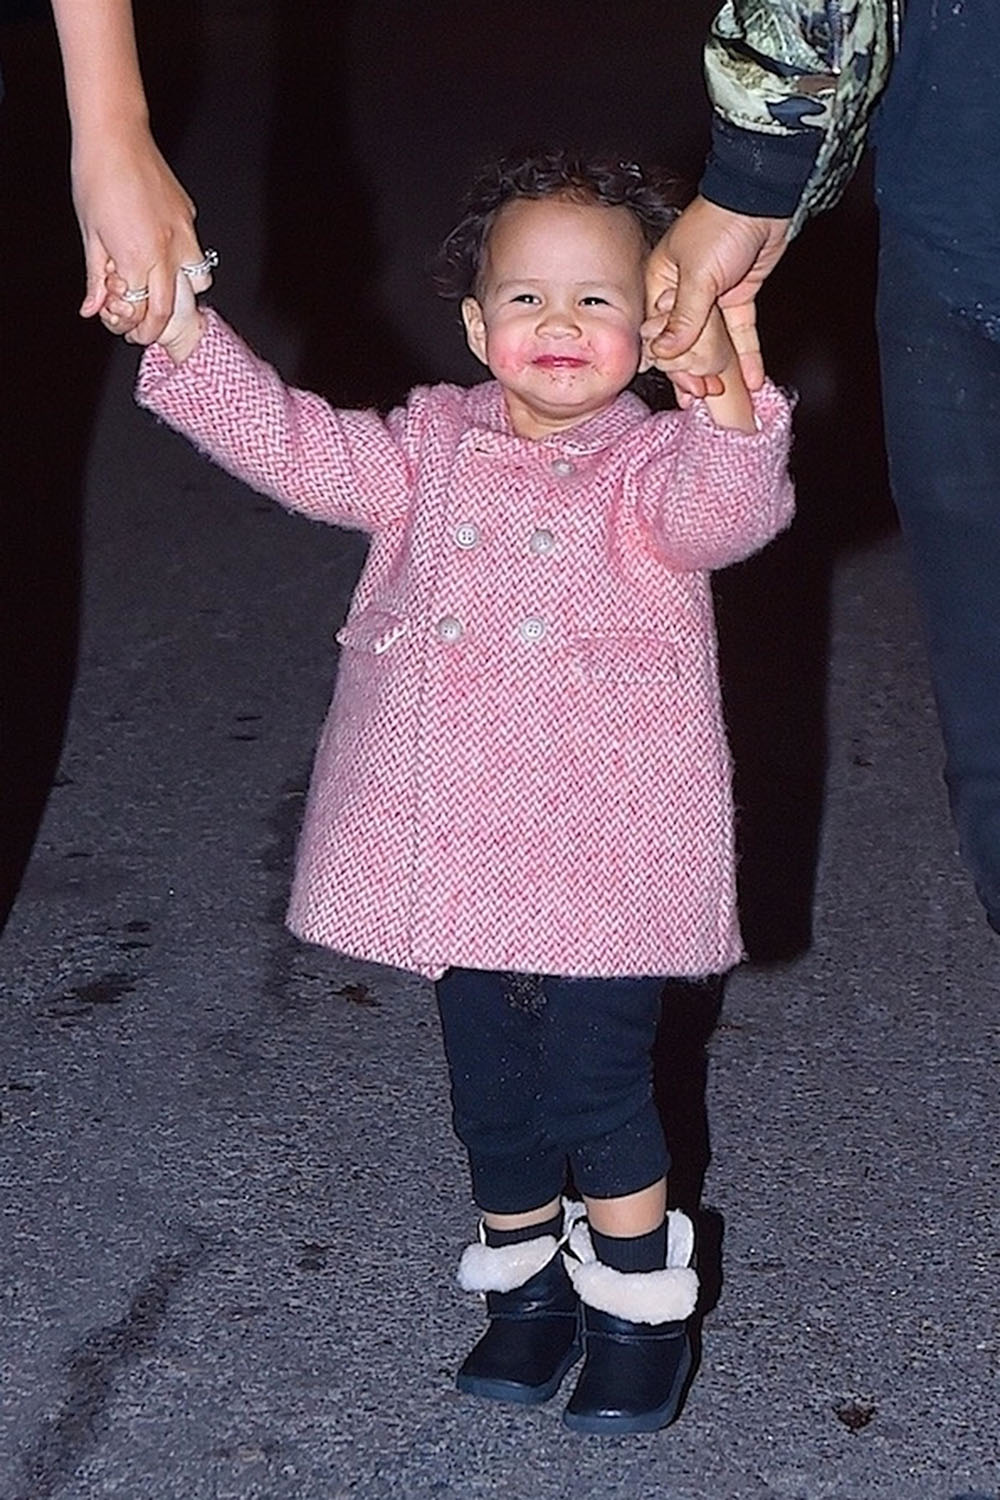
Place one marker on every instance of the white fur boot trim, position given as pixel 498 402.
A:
pixel 486 1269
pixel 666 1296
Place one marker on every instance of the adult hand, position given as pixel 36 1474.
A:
pixel 137 223
pixel 712 358
pixel 184 326
pixel 711 254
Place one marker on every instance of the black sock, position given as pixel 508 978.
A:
pixel 641 1252
pixel 497 1237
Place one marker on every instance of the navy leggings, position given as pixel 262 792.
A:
pixel 549 1072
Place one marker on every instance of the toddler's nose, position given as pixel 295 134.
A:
pixel 559 322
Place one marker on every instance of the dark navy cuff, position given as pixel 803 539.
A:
pixel 758 174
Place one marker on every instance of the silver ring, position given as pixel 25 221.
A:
pixel 202 267
pixel 135 294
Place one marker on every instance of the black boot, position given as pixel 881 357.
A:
pixel 533 1336
pixel 637 1353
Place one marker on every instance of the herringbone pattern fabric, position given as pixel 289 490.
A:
pixel 524 765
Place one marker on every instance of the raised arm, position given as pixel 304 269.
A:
pixel 350 468
pixel 707 495
pixel 135 218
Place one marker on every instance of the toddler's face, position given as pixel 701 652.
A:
pixel 560 306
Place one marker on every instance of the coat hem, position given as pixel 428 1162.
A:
pixel 719 964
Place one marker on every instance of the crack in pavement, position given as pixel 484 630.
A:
pixel 92 1369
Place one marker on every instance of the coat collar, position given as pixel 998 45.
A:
pixel 489 424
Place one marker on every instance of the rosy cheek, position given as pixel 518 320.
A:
pixel 627 352
pixel 504 360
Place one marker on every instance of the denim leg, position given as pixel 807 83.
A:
pixel 941 389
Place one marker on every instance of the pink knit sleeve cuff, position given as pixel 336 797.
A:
pixel 772 409
pixel 158 373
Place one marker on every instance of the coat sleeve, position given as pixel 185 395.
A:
pixel 707 496
pixel 793 84
pixel 350 468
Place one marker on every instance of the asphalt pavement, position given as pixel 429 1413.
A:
pixel 232 1206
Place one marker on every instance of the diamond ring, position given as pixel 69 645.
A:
pixel 202 267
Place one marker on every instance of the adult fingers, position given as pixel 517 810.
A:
pixel 179 322
pixel 692 301
pixel 106 292
pixel 198 269
pixel 157 309
pixel 195 265
pixel 741 323
pixel 98 266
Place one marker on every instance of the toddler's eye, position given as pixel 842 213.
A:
pixel 594 301
pixel 527 297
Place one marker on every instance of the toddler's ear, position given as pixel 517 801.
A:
pixel 475 327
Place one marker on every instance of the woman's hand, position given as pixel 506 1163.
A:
pixel 180 335
pixel 136 221
pixel 137 226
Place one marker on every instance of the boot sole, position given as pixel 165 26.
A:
pixel 509 1390
pixel 643 1421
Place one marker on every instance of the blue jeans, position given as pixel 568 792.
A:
pixel 940 359
pixel 548 1071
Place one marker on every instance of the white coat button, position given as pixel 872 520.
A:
pixel 531 630
pixel 466 535
pixel 449 629
pixel 542 541
pixel 563 468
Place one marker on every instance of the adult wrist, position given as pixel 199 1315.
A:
pixel 124 120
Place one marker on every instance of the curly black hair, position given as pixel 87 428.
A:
pixel 653 197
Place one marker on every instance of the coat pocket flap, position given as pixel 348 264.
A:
pixel 373 630
pixel 632 658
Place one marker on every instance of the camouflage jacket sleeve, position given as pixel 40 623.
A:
pixel 798 79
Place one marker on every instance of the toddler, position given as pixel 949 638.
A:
pixel 522 789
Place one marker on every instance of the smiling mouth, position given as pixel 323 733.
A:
pixel 559 362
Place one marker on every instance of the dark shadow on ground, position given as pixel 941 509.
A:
pixel 55 366
pixel 774 611
pixel 690 1014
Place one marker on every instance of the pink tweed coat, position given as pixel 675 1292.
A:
pixel 524 766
